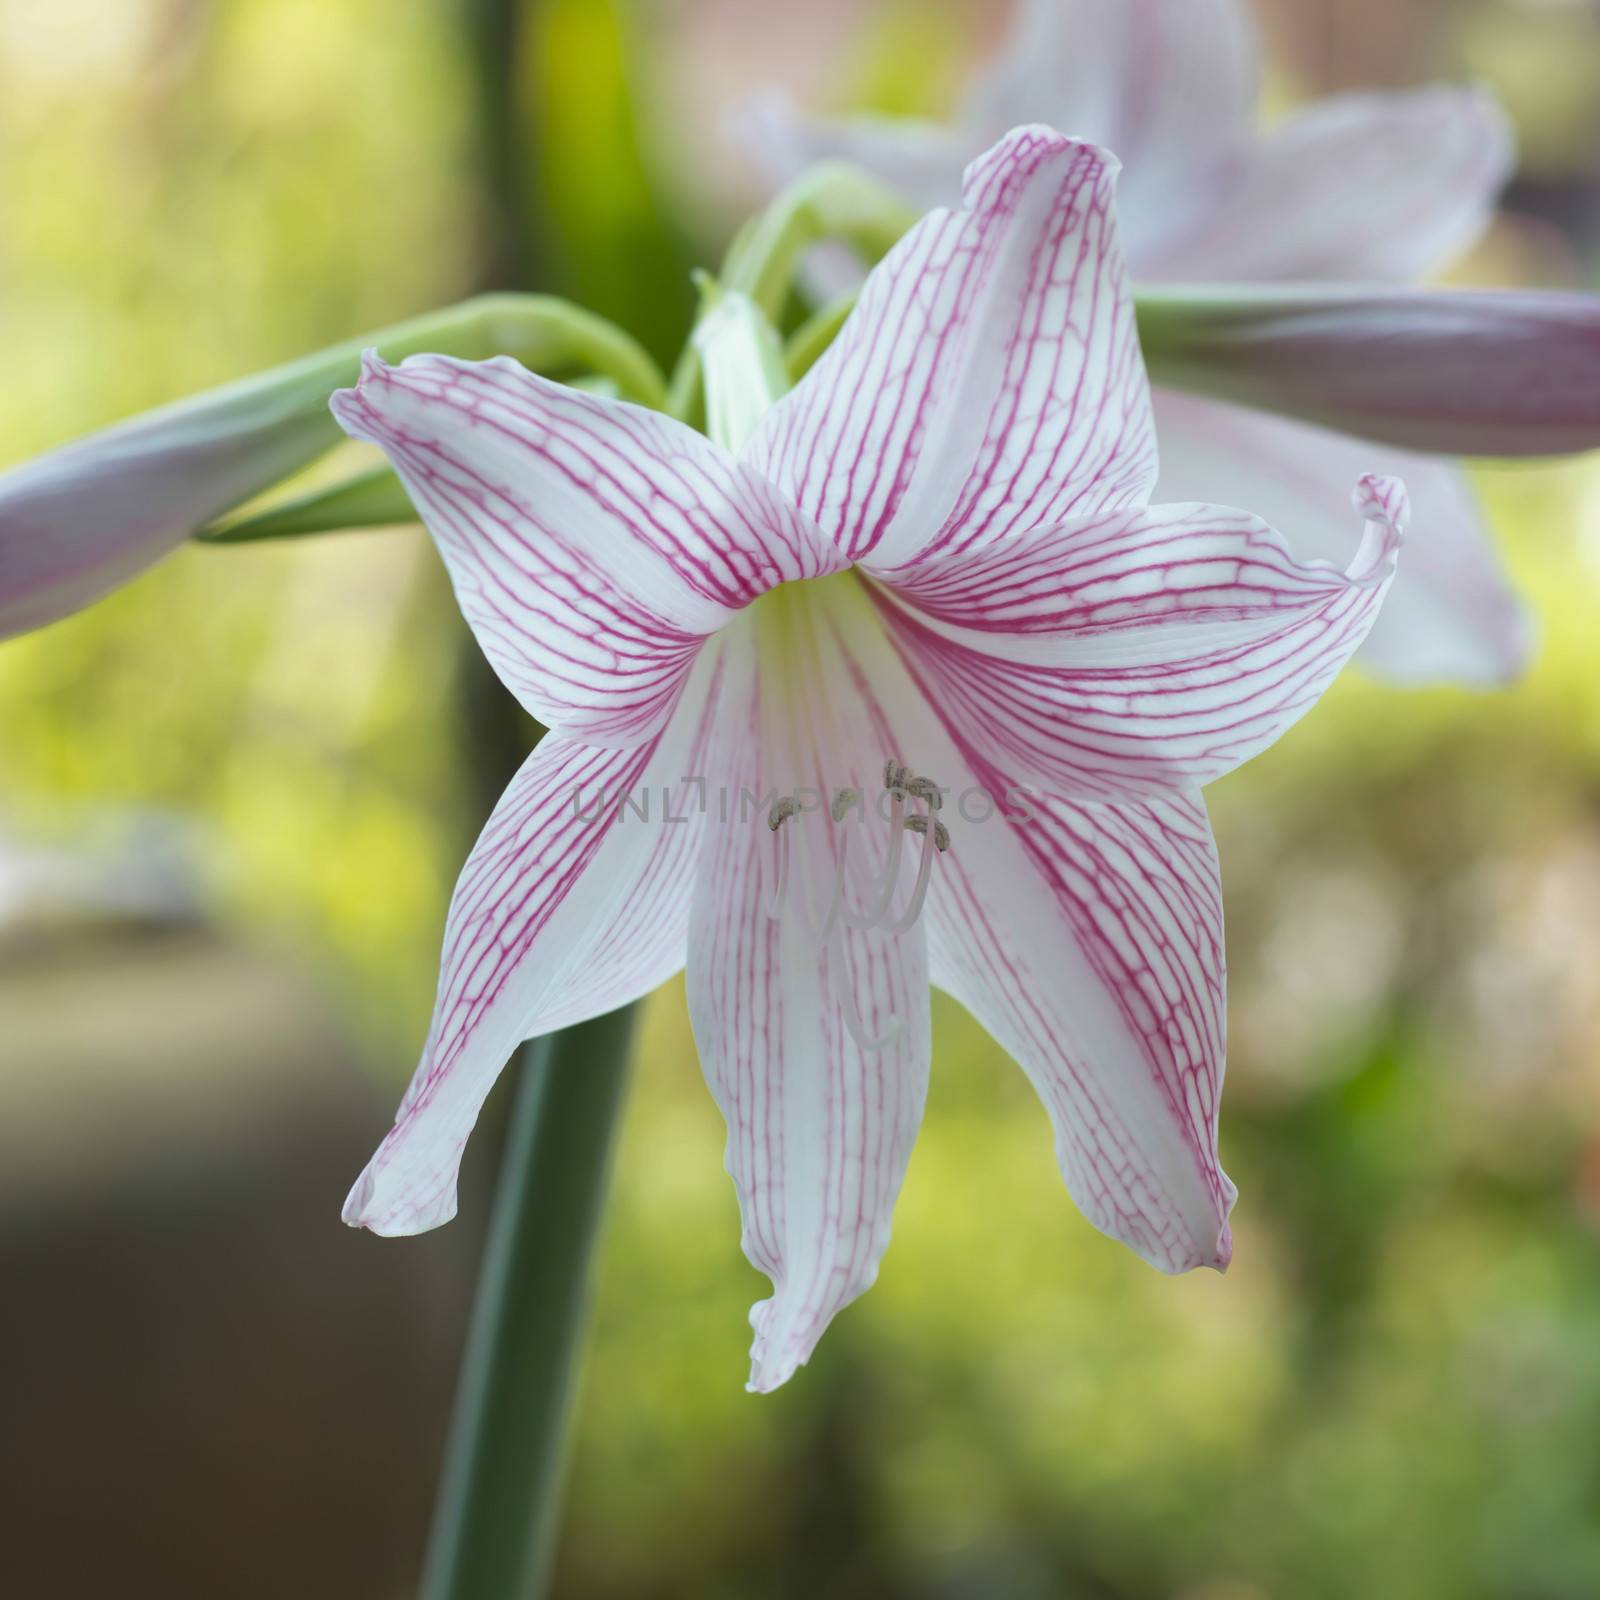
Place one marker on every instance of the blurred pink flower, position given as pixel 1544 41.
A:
pixel 938 550
pixel 1383 188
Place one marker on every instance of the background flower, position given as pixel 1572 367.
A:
pixel 1370 187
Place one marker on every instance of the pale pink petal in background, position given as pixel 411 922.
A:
pixel 1455 619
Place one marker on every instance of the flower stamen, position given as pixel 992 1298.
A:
pixel 849 1011
pixel 826 930
pixel 903 785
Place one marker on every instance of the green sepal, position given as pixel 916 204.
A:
pixel 376 499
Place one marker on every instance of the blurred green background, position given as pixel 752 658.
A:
pixel 233 799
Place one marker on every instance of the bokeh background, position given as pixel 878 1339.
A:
pixel 233 799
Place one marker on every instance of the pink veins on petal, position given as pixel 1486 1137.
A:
pixel 915 689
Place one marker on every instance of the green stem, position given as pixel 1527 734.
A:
pixel 497 1515
pixel 374 499
pixel 496 1520
pixel 831 200
pixel 496 33
pixel 544 333
pixel 290 404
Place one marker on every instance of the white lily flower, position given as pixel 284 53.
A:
pixel 914 687
pixel 1382 188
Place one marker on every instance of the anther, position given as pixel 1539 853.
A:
pixel 842 802
pixel 941 834
pixel 925 789
pixel 781 811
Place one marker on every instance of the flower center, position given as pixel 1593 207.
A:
pixel 904 792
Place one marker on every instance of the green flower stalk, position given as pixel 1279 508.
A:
pixel 80 521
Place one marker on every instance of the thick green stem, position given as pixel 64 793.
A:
pixel 497 1515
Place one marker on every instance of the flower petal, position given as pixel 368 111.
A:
pixel 1170 85
pixel 988 380
pixel 1143 651
pixel 1490 373
pixel 593 544
pixel 570 905
pixel 1451 617
pixel 816 1052
pixel 1389 187
pixel 921 161
pixel 1088 941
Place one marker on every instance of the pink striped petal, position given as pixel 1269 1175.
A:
pixel 1088 941
pixel 1451 617
pixel 1144 651
pixel 1087 938
pixel 571 904
pixel 1389 187
pixel 1169 85
pixel 989 379
pixel 822 1107
pixel 1450 372
pixel 593 544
